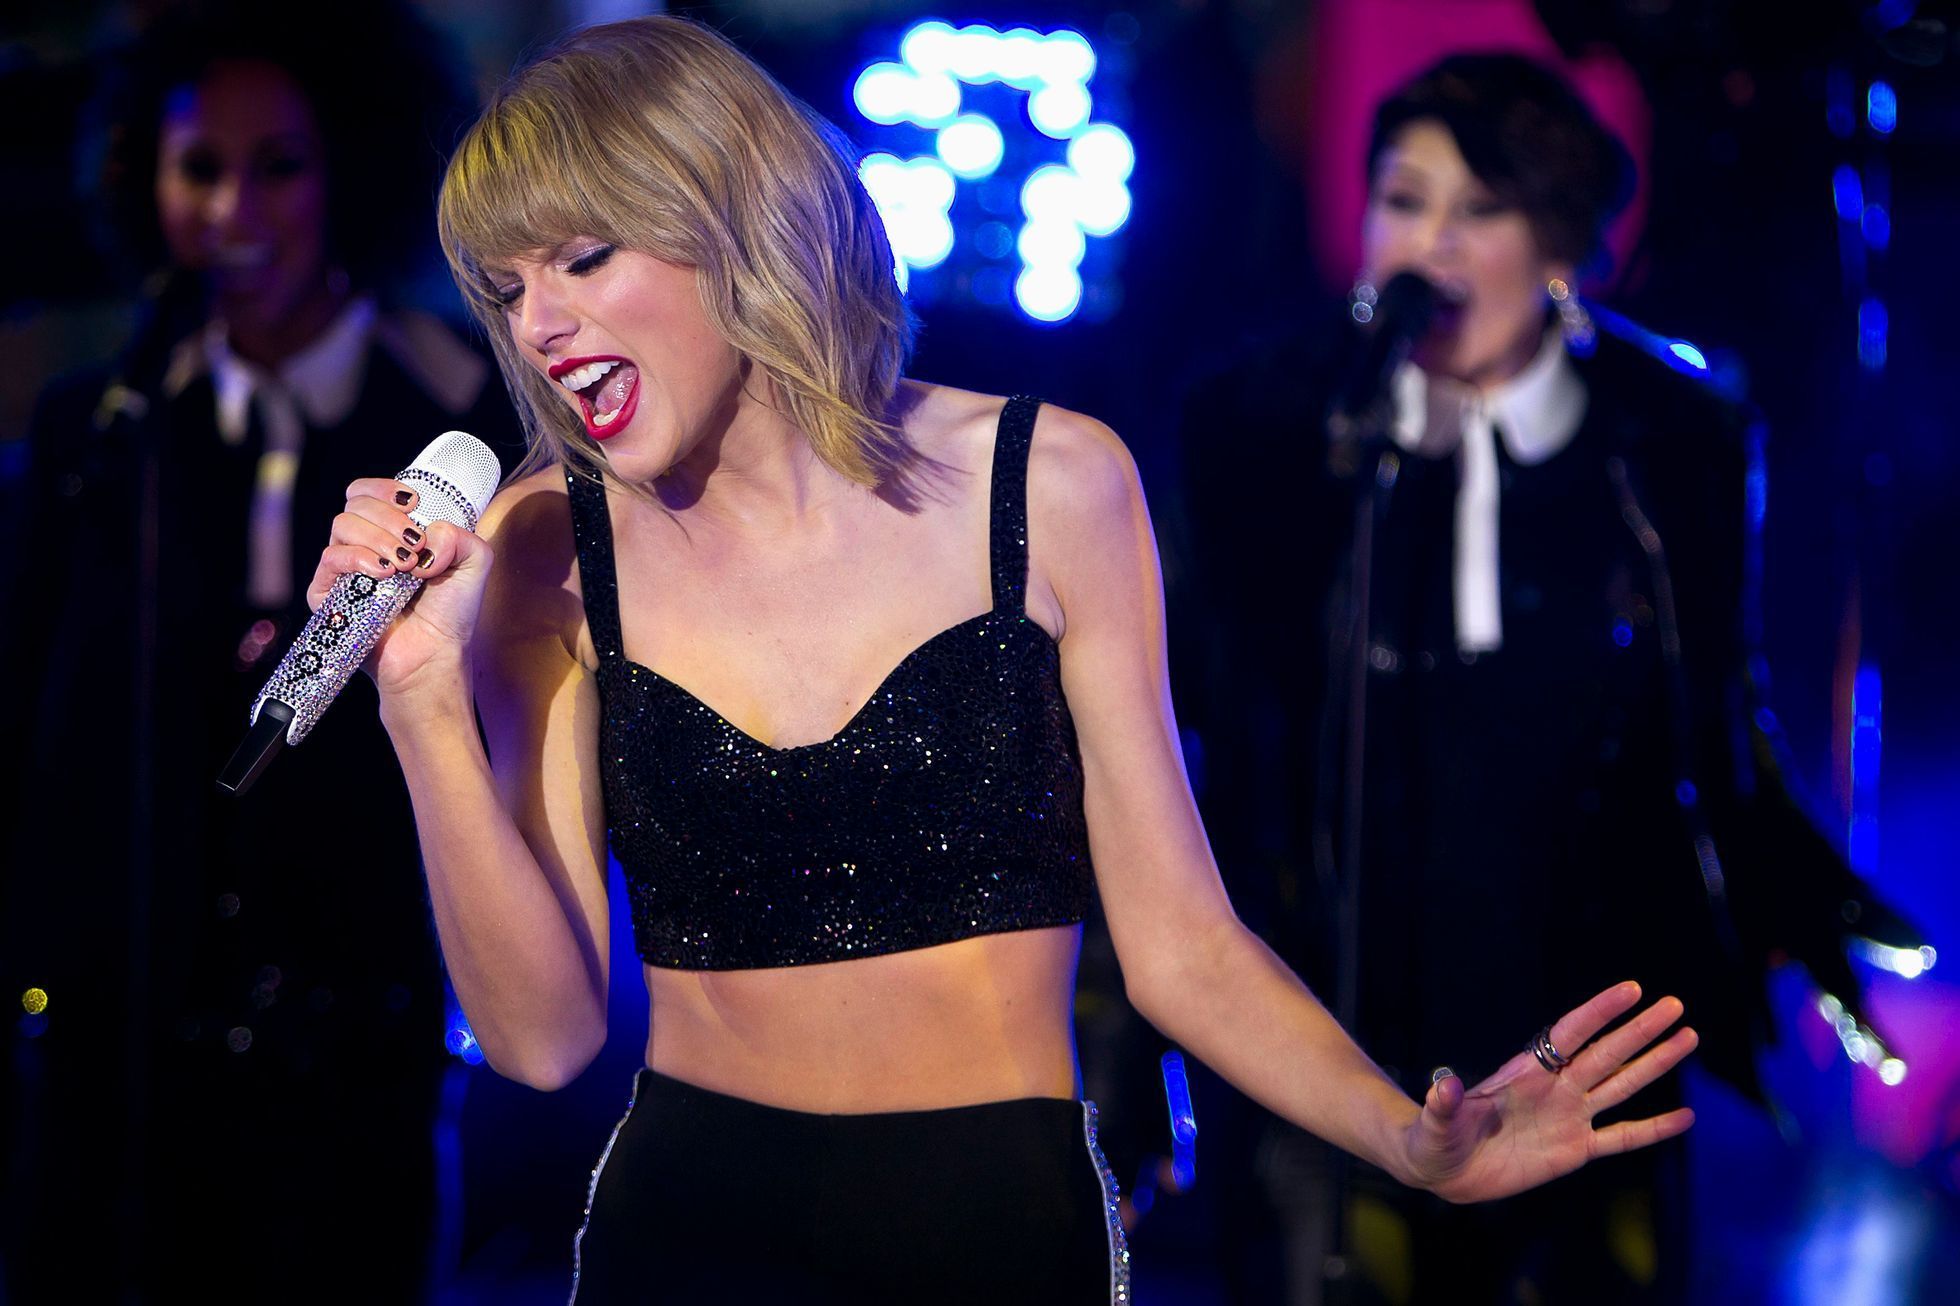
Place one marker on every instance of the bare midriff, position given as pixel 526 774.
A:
pixel 981 1020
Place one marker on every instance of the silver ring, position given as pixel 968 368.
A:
pixel 1547 1052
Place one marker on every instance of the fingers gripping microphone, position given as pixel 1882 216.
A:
pixel 453 479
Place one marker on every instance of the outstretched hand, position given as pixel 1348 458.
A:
pixel 1525 1124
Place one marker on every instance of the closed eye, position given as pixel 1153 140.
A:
pixel 590 260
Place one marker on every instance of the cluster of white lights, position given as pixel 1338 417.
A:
pixel 913 196
pixel 1062 205
pixel 1860 1043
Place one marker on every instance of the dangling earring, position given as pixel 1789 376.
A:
pixel 1361 301
pixel 1574 322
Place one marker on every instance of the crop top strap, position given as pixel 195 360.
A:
pixel 592 535
pixel 1008 521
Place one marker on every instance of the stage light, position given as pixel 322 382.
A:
pixel 1876 226
pixel 1882 107
pixel 1874 324
pixel 1848 192
pixel 971 146
pixel 884 92
pixel 1060 109
pixel 1688 354
pixel 1101 206
pixel 912 196
pixel 1103 152
pixel 1048 292
pixel 1907 963
pixel 1067 57
pixel 1051 243
pixel 1061 204
pixel 34 1001
pixel 1049 194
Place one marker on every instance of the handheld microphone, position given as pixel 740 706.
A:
pixel 1401 313
pixel 453 478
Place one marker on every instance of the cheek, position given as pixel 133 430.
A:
pixel 1384 243
pixel 1506 265
pixel 298 210
pixel 180 216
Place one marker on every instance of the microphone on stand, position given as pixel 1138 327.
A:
pixel 454 478
pixel 1398 316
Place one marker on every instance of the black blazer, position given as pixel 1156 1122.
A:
pixel 1592 802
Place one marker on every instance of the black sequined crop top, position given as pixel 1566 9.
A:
pixel 950 806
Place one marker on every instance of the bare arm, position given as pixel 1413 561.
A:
pixel 514 851
pixel 1190 966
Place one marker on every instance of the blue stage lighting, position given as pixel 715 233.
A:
pixel 1048 292
pixel 971 146
pixel 1061 204
pixel 1874 325
pixel 1688 354
pixel 1848 192
pixel 1876 225
pixel 1882 107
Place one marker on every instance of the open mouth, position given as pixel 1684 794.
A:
pixel 607 389
pixel 1452 303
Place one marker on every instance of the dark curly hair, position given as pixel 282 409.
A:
pixel 382 86
pixel 1526 135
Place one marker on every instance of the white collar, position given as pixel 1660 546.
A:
pixel 1536 412
pixel 324 377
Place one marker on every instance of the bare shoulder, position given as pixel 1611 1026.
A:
pixel 952 429
pixel 534 586
pixel 1083 489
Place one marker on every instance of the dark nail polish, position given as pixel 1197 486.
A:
pixel 384 562
pixel 412 535
pixel 404 497
pixel 403 554
pixel 424 558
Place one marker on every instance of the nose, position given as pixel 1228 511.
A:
pixel 232 205
pixel 1439 237
pixel 544 318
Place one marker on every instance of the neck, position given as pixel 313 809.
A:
pixel 1513 361
pixel 755 469
pixel 270 338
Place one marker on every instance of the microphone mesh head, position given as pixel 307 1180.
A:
pixel 463 461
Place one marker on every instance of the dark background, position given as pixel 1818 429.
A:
pixel 1849 1195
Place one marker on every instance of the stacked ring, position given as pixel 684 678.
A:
pixel 1547 1052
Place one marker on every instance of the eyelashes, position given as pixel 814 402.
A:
pixel 592 259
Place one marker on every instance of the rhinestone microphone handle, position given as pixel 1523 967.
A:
pixel 351 620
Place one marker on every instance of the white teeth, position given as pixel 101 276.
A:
pixel 604 419
pixel 581 377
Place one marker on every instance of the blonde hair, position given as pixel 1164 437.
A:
pixel 659 136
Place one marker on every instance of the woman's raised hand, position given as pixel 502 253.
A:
pixel 1529 1123
pixel 375 536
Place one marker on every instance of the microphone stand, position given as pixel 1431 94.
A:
pixel 1360 452
pixel 134 402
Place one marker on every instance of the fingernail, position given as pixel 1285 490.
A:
pixel 383 562
pixel 412 535
pixel 404 497
pixel 403 554
pixel 1439 1074
pixel 424 558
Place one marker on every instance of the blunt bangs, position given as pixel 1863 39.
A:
pixel 657 135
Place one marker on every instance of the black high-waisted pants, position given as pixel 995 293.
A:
pixel 704 1198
